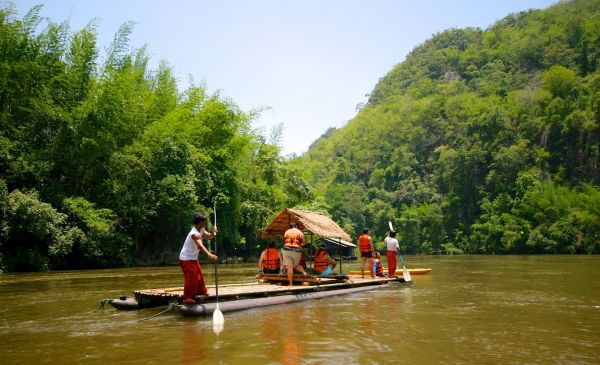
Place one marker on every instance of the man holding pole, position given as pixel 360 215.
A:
pixel 393 248
pixel 188 259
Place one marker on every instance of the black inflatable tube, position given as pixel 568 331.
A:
pixel 124 303
pixel 205 310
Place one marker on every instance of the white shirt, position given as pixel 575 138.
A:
pixel 190 251
pixel 392 244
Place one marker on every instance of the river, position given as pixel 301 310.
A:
pixel 468 310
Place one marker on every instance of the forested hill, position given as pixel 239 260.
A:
pixel 481 141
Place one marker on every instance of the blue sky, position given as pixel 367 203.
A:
pixel 309 62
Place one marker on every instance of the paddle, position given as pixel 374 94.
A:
pixel 218 318
pixel 405 273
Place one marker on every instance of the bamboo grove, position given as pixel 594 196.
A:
pixel 103 161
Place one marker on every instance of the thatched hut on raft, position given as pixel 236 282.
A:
pixel 316 227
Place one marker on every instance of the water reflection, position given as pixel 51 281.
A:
pixel 321 322
pixel 292 332
pixel 394 317
pixel 194 344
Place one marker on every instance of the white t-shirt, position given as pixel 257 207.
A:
pixel 190 251
pixel 392 244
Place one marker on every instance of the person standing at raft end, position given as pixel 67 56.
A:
pixel 365 244
pixel 393 248
pixel 193 283
pixel 269 260
pixel 292 251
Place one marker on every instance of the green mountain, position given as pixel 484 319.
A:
pixel 480 141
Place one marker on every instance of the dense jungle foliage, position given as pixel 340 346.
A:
pixel 103 161
pixel 481 141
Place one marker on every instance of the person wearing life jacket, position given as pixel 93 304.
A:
pixel 292 251
pixel 393 249
pixel 270 260
pixel 377 266
pixel 324 264
pixel 365 244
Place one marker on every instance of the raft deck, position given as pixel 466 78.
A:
pixel 158 297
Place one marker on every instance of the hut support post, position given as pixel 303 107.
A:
pixel 341 258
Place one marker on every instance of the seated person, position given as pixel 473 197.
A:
pixel 324 264
pixel 377 266
pixel 269 260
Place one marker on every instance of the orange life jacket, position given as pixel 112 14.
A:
pixel 271 260
pixel 320 261
pixel 363 242
pixel 379 269
pixel 293 238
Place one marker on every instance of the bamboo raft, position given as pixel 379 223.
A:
pixel 270 289
pixel 250 295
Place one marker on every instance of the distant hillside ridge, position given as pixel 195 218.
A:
pixel 481 141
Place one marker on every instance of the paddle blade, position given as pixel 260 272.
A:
pixel 218 320
pixel 406 275
pixel 218 316
pixel 391 226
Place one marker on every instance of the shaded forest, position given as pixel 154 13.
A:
pixel 480 141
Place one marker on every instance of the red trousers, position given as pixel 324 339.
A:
pixel 193 282
pixel 391 256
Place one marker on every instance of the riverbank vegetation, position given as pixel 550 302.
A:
pixel 103 160
pixel 481 141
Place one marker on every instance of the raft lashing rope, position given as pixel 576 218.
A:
pixel 103 303
pixel 172 307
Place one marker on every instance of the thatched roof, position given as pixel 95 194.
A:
pixel 316 223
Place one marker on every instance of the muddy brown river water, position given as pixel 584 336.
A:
pixel 468 310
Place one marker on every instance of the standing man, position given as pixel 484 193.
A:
pixel 292 251
pixel 393 248
pixel 365 244
pixel 188 259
